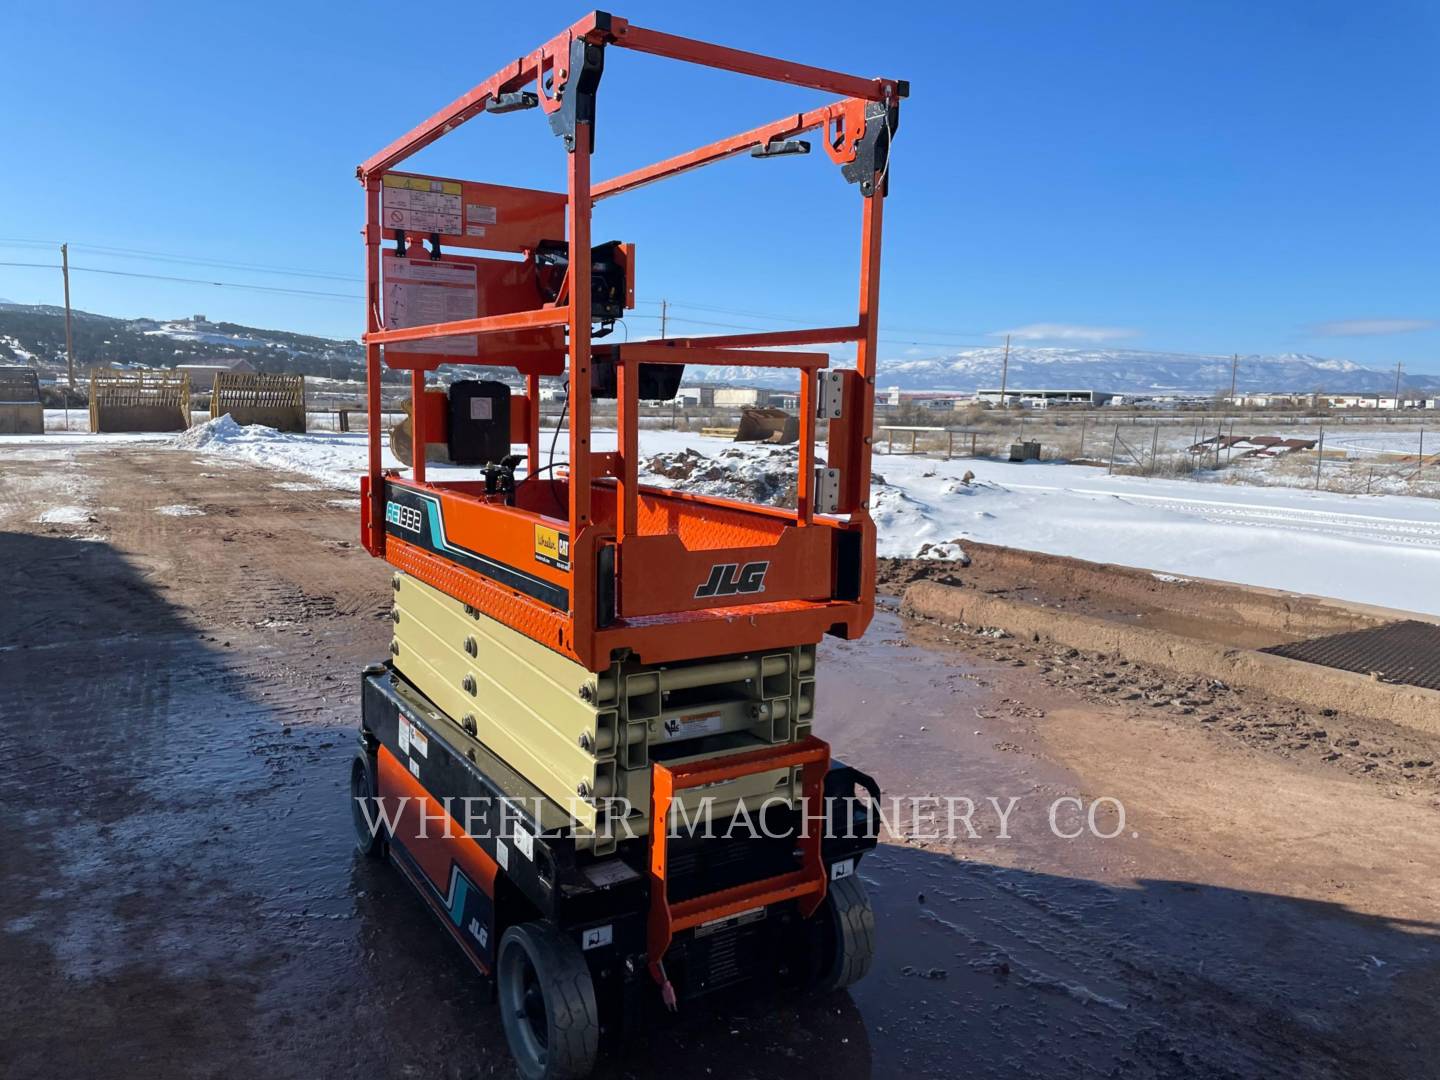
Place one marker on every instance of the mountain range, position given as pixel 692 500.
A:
pixel 31 333
pixel 35 334
pixel 1113 370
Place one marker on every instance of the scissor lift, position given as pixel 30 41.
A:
pixel 568 640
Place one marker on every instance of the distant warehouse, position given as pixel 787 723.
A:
pixel 1041 399
pixel 202 373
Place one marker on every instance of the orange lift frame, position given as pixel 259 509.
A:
pixel 660 614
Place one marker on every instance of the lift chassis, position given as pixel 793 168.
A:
pixel 480 846
pixel 591 749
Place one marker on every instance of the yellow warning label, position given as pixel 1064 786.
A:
pixel 552 547
pixel 421 183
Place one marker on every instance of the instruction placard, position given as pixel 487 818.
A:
pixel 420 204
pixel 419 292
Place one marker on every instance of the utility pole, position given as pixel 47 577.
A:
pixel 1005 374
pixel 664 311
pixel 1234 369
pixel 1398 365
pixel 69 338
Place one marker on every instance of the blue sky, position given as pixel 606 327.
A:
pixel 1200 177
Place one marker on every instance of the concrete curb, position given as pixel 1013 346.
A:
pixel 1307 684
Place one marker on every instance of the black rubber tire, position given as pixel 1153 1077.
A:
pixel 547 1003
pixel 850 935
pixel 363 786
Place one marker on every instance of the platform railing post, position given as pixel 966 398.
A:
pixel 805 482
pixel 582 569
pixel 372 236
pixel 417 425
pixel 579 187
pixel 865 349
pixel 532 427
pixel 627 395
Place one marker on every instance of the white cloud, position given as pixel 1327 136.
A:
pixel 1370 327
pixel 1068 332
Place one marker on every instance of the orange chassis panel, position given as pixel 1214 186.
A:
pixel 437 841
pixel 659 618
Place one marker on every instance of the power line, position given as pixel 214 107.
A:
pixel 193 281
pixel 258 268
pixel 188 260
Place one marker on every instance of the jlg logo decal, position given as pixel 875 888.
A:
pixel 727 579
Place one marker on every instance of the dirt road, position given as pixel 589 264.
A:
pixel 179 659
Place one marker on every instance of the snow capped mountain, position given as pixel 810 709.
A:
pixel 1114 370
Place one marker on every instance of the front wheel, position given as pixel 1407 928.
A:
pixel 849 937
pixel 547 1003
pixel 365 806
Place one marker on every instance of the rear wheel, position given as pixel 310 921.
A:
pixel 365 806
pixel 547 1003
pixel 849 939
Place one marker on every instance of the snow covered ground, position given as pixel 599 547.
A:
pixel 1382 549
pixel 1383 441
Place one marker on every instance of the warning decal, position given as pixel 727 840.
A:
pixel 419 292
pixel 419 204
pixel 552 547
pixel 693 724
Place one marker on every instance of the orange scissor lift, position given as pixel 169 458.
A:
pixel 598 569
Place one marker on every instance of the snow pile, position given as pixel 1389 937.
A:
pixel 179 510
pixel 903 522
pixel 763 474
pixel 334 459
pixel 64 515
pixel 212 433
pixel 944 553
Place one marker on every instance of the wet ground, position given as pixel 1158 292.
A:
pixel 179 895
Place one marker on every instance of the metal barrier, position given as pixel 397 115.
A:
pixel 21 412
pixel 139 400
pixel 276 401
